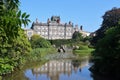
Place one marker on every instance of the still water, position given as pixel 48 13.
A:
pixel 54 69
pixel 61 68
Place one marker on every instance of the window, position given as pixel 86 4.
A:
pixel 39 28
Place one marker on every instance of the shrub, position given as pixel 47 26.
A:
pixel 39 42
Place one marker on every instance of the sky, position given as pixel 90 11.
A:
pixel 87 13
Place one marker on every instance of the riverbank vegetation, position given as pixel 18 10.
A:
pixel 41 47
pixel 38 54
pixel 13 43
pixel 81 45
pixel 19 73
pixel 83 50
pixel 15 48
pixel 106 56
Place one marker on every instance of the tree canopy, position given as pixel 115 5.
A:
pixel 77 36
pixel 39 42
pixel 110 19
pixel 107 55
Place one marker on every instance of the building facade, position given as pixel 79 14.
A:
pixel 53 29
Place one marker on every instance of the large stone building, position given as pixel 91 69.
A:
pixel 53 29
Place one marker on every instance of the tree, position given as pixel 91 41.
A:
pixel 11 18
pixel 13 43
pixel 35 37
pixel 110 19
pixel 77 36
pixel 107 55
pixel 39 42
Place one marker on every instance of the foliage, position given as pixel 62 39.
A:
pixel 107 54
pixel 13 43
pixel 39 42
pixel 11 19
pixel 38 54
pixel 13 56
pixel 77 36
pixel 83 52
pixel 87 39
pixel 59 42
pixel 110 19
pixel 35 37
pixel 0 77
pixel 83 49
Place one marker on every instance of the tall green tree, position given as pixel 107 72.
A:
pixel 110 19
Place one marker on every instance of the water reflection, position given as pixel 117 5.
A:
pixel 60 70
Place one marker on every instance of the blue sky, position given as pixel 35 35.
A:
pixel 82 12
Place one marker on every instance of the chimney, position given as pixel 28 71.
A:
pixel 76 27
pixel 37 20
pixel 81 27
pixel 48 21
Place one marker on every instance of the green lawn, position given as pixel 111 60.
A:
pixel 83 50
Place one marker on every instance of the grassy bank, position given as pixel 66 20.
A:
pixel 39 53
pixel 83 50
